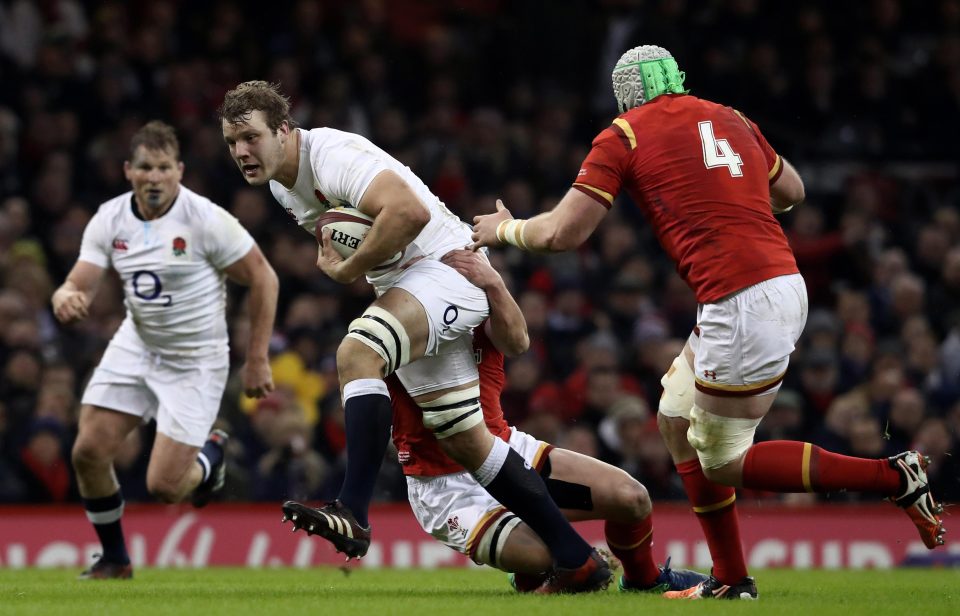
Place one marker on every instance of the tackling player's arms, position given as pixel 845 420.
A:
pixel 787 191
pixel 506 326
pixel 71 301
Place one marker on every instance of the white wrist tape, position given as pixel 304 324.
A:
pixel 511 232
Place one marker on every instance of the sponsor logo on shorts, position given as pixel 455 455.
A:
pixel 179 246
pixel 710 374
pixel 321 198
pixel 404 457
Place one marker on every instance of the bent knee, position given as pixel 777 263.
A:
pixel 357 361
pixel 632 499
pixel 87 453
pixel 165 491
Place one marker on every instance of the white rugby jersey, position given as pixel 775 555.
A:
pixel 171 268
pixel 335 170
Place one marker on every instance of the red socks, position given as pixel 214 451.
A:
pixel 631 543
pixel 793 466
pixel 715 506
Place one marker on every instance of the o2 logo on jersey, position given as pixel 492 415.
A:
pixel 146 286
pixel 449 316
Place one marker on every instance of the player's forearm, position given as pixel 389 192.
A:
pixel 542 233
pixel 70 286
pixel 508 328
pixel 392 230
pixel 262 303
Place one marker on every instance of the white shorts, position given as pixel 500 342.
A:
pixel 745 340
pixel 454 308
pixel 182 393
pixel 458 512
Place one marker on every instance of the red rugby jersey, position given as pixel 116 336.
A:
pixel 701 174
pixel 417 448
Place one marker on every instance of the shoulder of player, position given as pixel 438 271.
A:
pixel 325 139
pixel 116 204
pixel 195 207
pixel 112 211
pixel 195 202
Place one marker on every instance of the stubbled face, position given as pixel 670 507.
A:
pixel 256 149
pixel 155 176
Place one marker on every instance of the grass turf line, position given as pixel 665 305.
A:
pixel 328 591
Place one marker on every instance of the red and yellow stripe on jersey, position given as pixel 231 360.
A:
pixel 714 220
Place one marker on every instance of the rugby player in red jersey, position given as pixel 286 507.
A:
pixel 451 505
pixel 709 184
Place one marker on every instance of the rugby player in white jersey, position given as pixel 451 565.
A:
pixel 169 359
pixel 419 326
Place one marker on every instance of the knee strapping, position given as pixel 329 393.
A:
pixel 678 389
pixel 491 544
pixel 719 440
pixel 382 332
pixel 453 412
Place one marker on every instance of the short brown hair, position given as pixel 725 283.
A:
pixel 155 135
pixel 240 103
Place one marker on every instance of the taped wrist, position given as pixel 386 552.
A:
pixel 511 232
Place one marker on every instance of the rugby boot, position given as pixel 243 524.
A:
pixel 204 492
pixel 591 576
pixel 334 522
pixel 669 579
pixel 915 497
pixel 105 570
pixel 526 582
pixel 712 588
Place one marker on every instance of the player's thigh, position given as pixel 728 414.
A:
pixel 189 394
pixel 100 433
pixel 744 346
pixel 450 305
pixel 587 489
pixel 452 367
pixel 118 382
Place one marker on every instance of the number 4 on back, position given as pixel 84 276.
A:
pixel 717 152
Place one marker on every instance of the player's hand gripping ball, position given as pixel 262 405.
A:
pixel 348 227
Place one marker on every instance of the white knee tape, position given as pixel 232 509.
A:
pixel 382 332
pixel 678 389
pixel 719 440
pixel 491 544
pixel 453 412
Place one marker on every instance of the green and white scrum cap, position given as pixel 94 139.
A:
pixel 644 73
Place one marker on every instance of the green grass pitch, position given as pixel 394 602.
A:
pixel 328 591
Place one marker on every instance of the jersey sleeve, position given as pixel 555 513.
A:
pixel 774 162
pixel 347 170
pixel 601 174
pixel 95 247
pixel 225 239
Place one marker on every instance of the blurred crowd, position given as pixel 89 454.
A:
pixel 487 99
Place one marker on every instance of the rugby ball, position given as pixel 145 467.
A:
pixel 348 226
